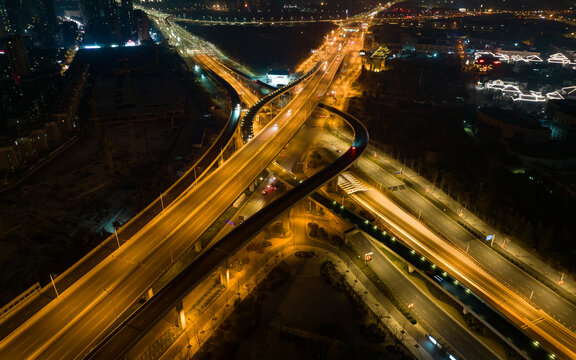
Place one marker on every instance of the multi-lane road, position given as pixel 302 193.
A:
pixel 68 326
pixel 312 136
pixel 526 314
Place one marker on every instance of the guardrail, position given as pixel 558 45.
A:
pixel 20 299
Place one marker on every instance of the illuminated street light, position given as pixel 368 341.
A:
pixel 116 234
pixel 53 284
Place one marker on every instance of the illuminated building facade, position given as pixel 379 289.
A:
pixel 16 51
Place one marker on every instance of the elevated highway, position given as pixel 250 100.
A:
pixel 71 325
pixel 128 333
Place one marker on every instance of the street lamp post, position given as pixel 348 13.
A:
pixel 54 285
pixel 117 240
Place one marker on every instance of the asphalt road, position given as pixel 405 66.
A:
pixel 450 330
pixel 513 305
pixel 66 327
pixel 425 308
pixel 168 297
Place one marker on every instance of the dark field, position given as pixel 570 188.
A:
pixel 266 46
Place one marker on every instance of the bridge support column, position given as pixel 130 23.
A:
pixel 224 275
pixel 332 184
pixel 347 234
pixel 181 315
pixel 198 246
pixel 311 206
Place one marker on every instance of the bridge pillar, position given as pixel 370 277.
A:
pixel 198 246
pixel 312 206
pixel 332 185
pixel 181 315
pixel 224 275
pixel 347 234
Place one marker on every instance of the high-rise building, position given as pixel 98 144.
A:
pixel 5 26
pixel 34 17
pixel 47 15
pixel 101 19
pixel 68 33
pixel 44 21
pixel 142 25
pixel 127 20
pixel 18 16
pixel 16 52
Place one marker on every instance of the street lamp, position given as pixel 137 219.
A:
pixel 116 234
pixel 53 284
